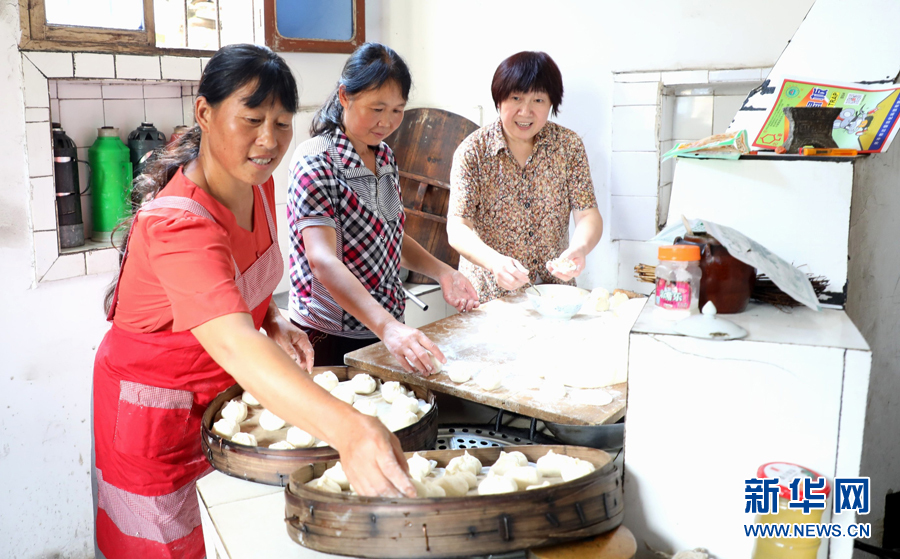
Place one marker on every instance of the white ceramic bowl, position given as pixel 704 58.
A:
pixel 557 301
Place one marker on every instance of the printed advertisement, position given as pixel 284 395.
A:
pixel 867 122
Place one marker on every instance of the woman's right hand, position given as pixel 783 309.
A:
pixel 510 273
pixel 373 458
pixel 410 348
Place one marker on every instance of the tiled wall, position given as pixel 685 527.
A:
pixel 82 106
pixel 83 92
pixel 652 112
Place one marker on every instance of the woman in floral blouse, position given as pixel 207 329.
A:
pixel 515 182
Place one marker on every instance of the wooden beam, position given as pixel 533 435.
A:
pixel 426 180
pixel 425 215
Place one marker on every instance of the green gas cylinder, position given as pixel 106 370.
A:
pixel 110 182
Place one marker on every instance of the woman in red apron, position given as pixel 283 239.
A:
pixel 194 289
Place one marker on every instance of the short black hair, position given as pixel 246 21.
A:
pixel 528 71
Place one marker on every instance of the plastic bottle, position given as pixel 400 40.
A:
pixel 678 282
pixel 787 548
pixel 110 182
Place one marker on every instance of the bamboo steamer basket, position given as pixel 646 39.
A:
pixel 467 526
pixel 274 466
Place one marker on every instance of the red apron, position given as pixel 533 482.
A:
pixel 150 392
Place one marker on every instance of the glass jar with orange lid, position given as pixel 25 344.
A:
pixel 793 547
pixel 678 282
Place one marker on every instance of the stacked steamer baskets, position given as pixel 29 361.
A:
pixel 254 460
pixel 323 514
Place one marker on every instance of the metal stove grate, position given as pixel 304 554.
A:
pixel 459 438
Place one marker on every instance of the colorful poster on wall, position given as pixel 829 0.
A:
pixel 869 113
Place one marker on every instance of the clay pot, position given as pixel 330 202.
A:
pixel 725 280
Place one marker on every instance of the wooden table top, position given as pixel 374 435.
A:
pixel 527 349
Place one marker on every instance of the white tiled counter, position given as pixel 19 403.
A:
pixel 703 415
pixel 245 520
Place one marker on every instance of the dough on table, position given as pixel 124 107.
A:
pixel 490 379
pixel 419 466
pixel 367 407
pixel 235 410
pixel 337 475
pixel 249 399
pixel 552 390
pixel 617 300
pixel 281 445
pixel 344 392
pixel 299 438
pixel 391 390
pixel 247 439
pixel 601 296
pixel 363 384
pixel 269 421
pixel 524 476
pixel 508 461
pixel 225 428
pixel 324 484
pixel 459 374
pixel 327 380
pixel 495 484
pixel 579 376
pixel 575 469
pixel 464 463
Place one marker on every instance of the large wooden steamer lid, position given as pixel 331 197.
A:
pixel 274 466
pixel 456 526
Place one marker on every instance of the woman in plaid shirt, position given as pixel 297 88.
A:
pixel 346 222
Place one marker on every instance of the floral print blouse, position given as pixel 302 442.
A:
pixel 521 212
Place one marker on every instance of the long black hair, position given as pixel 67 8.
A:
pixel 369 67
pixel 230 68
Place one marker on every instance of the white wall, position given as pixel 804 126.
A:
pixel 454 46
pixel 873 302
pixel 49 332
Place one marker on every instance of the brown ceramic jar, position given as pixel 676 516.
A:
pixel 725 280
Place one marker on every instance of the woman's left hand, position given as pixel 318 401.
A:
pixel 458 291
pixel 576 256
pixel 291 339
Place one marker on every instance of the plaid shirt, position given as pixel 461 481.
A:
pixel 331 186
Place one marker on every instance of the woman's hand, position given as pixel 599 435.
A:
pixel 576 256
pixel 290 338
pixel 458 291
pixel 373 458
pixel 510 273
pixel 410 348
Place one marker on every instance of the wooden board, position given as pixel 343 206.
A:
pixel 509 335
pixel 423 146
